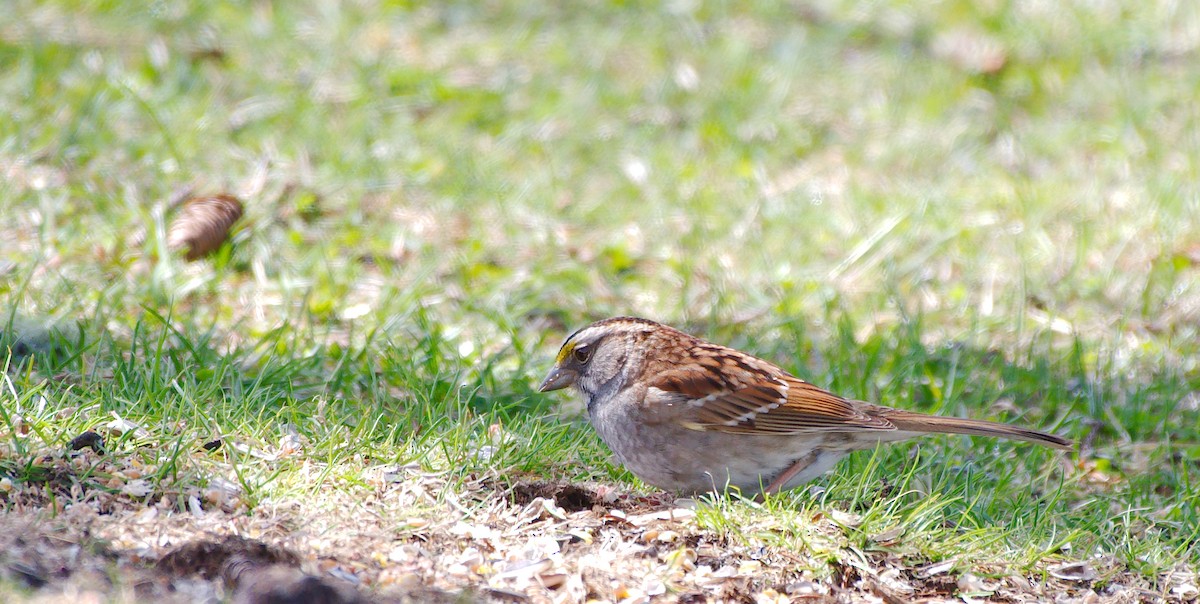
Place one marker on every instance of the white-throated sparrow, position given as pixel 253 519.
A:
pixel 691 416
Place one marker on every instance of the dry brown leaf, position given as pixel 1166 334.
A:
pixel 1074 571
pixel 937 568
pixel 203 225
pixel 674 514
pixel 120 425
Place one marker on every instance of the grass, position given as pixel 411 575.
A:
pixel 437 195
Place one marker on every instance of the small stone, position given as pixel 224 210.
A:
pixel 87 440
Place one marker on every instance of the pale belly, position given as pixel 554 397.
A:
pixel 711 461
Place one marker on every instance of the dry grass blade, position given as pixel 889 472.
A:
pixel 203 225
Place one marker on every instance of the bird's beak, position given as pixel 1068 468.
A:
pixel 558 378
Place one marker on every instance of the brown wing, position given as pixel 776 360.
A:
pixel 800 407
pixel 732 392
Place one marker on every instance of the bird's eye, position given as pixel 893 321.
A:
pixel 583 354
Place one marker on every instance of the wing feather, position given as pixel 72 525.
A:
pixel 794 407
pixel 728 393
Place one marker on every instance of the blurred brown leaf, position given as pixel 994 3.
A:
pixel 970 50
pixel 203 225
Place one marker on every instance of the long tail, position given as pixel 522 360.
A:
pixel 909 421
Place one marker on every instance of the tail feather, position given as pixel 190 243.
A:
pixel 909 421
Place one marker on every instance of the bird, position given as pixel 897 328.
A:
pixel 690 416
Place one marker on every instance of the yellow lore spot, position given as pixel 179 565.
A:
pixel 566 351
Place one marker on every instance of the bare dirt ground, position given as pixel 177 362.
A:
pixel 403 536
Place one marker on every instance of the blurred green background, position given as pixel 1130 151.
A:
pixel 979 208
